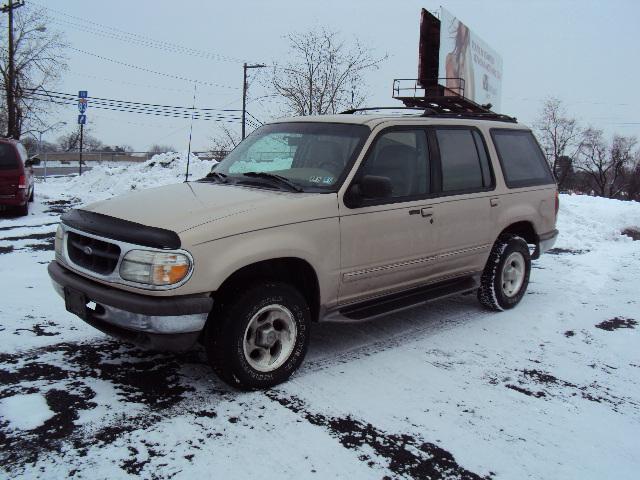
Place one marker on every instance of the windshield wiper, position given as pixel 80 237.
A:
pixel 221 177
pixel 278 178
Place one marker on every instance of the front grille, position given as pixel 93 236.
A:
pixel 95 255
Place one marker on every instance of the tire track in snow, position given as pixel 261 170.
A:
pixel 404 455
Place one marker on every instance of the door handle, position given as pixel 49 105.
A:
pixel 427 212
pixel 494 202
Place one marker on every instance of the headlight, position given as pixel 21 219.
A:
pixel 59 241
pixel 154 268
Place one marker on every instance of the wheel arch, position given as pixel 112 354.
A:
pixel 292 270
pixel 524 229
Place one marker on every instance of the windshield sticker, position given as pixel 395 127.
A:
pixel 324 180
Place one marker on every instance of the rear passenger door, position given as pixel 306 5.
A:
pixel 464 211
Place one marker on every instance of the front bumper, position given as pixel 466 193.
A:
pixel 172 323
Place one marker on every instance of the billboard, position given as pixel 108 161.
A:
pixel 465 55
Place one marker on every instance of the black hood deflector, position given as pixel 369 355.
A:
pixel 122 230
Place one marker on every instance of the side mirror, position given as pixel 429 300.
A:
pixel 369 187
pixel 372 186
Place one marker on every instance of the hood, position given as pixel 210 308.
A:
pixel 187 208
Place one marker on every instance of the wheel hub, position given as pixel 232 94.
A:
pixel 513 273
pixel 269 338
pixel 266 337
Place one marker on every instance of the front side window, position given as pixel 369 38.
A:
pixel 402 157
pixel 522 160
pixel 311 156
pixel 465 166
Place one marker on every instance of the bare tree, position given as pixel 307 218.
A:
pixel 225 141
pixel 560 138
pixel 324 75
pixel 621 157
pixel 605 164
pixel 155 148
pixel 70 142
pixel 633 178
pixel 39 60
pixel 592 159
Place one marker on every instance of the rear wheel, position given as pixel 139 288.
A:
pixel 506 276
pixel 258 339
pixel 23 210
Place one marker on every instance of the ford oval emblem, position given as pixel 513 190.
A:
pixel 87 250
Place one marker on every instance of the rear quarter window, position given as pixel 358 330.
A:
pixel 523 163
pixel 8 157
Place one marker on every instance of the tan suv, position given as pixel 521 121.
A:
pixel 311 219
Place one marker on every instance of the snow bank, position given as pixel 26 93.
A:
pixel 107 180
pixel 584 222
pixel 25 412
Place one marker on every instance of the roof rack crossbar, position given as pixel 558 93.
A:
pixel 448 110
pixel 366 109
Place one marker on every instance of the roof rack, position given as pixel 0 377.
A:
pixel 438 100
pixel 437 110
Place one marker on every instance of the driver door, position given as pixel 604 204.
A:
pixel 389 244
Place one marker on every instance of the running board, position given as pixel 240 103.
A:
pixel 409 298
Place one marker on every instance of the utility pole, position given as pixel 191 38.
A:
pixel 245 67
pixel 10 88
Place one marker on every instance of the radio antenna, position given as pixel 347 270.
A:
pixel 193 109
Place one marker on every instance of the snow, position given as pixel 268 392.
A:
pixel 25 412
pixel 109 179
pixel 447 390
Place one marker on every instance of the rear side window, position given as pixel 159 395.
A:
pixel 523 163
pixel 22 152
pixel 465 166
pixel 8 157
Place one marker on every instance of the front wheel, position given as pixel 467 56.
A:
pixel 506 276
pixel 260 337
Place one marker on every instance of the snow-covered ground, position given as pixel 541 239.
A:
pixel 548 390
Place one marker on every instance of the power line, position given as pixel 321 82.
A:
pixel 148 70
pixel 123 82
pixel 215 118
pixel 66 99
pixel 138 103
pixel 143 43
pixel 70 98
pixel 159 43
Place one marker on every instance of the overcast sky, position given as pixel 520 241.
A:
pixel 584 52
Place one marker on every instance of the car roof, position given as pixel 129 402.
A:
pixel 373 120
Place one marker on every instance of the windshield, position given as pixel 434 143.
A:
pixel 306 156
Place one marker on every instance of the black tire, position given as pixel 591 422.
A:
pixel 491 293
pixel 226 329
pixel 33 192
pixel 23 210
